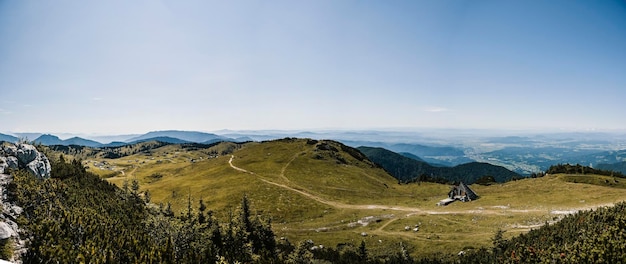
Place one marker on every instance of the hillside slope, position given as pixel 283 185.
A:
pixel 593 236
pixel 407 169
pixel 330 193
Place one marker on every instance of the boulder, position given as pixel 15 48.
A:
pixel 24 156
pixel 13 163
pixel 8 163
pixel 27 153
pixel 40 166
pixel 6 231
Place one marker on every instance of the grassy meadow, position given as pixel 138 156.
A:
pixel 318 190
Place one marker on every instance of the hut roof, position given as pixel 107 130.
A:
pixel 468 191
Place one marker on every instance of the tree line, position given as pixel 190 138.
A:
pixel 580 169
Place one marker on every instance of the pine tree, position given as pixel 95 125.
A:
pixel 362 252
pixel 201 209
pixel 135 187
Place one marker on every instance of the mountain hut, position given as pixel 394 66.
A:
pixel 463 193
pixel 460 192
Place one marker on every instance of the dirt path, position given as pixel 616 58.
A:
pixel 132 173
pixel 124 175
pixel 230 162
pixel 380 229
pixel 282 171
pixel 410 210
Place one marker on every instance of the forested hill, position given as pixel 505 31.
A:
pixel 619 167
pixel 580 169
pixel 407 169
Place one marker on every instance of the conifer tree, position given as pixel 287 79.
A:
pixel 201 209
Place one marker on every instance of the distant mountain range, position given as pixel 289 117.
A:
pixel 164 139
pixel 8 138
pixel 168 136
pixel 523 153
pixel 48 140
pixel 186 136
pixel 407 169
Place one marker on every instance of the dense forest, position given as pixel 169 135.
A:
pixel 595 236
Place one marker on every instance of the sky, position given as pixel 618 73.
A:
pixel 115 67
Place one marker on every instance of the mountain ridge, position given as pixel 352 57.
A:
pixel 407 169
pixel 8 138
pixel 189 136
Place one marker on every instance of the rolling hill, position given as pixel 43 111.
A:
pixel 333 194
pixel 407 169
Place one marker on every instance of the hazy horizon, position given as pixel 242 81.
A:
pixel 447 133
pixel 119 67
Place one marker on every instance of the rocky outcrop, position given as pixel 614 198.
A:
pixel 8 217
pixel 17 156
pixel 24 156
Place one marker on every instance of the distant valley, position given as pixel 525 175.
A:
pixel 410 169
pixel 524 155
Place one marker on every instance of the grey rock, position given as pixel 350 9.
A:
pixel 40 167
pixel 27 157
pixel 8 163
pixel 3 164
pixel 6 231
pixel 26 153
pixel 10 150
pixel 13 163
pixel 16 210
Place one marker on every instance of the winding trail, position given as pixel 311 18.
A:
pixel 124 175
pixel 282 171
pixel 230 162
pixel 407 211
pixel 339 205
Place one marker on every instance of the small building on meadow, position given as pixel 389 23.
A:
pixel 460 192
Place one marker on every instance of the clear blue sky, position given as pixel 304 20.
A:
pixel 136 66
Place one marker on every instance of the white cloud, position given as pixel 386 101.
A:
pixel 436 109
pixel 5 112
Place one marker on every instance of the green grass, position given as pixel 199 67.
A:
pixel 596 180
pixel 317 194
